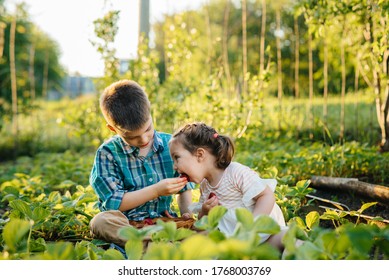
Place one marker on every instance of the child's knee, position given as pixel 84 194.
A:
pixel 107 218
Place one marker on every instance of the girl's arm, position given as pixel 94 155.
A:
pixel 265 202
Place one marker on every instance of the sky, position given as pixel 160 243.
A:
pixel 70 24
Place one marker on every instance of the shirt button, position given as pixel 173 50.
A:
pixel 151 179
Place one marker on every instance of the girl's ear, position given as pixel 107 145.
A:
pixel 200 154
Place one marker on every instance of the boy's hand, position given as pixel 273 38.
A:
pixel 186 216
pixel 170 186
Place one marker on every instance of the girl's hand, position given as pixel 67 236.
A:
pixel 170 186
pixel 209 204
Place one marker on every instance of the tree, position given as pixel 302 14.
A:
pixel 106 29
pixel 27 34
pixel 367 30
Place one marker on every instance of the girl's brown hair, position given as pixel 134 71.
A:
pixel 199 135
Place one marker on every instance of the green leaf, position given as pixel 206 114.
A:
pixel 337 246
pixel 234 246
pixel 198 247
pixel 265 224
pixel 60 251
pixel 112 254
pixel 22 206
pixel 15 232
pixel 40 214
pixel 38 245
pixel 365 206
pixel 130 232
pixel 312 219
pixel 216 235
pixel 134 249
pixel 309 251
pixel 361 238
pixel 245 217
pixel 183 233
pixel 215 215
pixel 202 223
pixel 169 228
pixel 265 251
pixel 300 222
pixel 162 251
pixel 92 254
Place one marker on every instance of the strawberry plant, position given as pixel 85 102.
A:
pixel 44 216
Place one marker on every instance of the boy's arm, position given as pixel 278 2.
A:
pixel 164 187
pixel 184 199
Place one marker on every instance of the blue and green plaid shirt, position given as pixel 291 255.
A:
pixel 118 169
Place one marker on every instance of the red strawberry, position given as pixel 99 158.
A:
pixel 148 221
pixel 211 195
pixel 183 175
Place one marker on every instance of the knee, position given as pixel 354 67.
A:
pixel 106 218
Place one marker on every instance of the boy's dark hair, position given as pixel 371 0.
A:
pixel 199 135
pixel 125 105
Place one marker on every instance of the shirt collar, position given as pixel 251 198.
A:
pixel 157 145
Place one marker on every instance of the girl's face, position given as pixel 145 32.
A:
pixel 185 162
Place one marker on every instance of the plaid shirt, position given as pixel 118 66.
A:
pixel 118 169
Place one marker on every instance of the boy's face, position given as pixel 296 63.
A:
pixel 140 138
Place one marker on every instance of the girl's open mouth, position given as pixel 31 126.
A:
pixel 183 175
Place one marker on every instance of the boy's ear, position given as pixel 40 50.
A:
pixel 110 127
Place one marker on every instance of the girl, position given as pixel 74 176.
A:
pixel 205 157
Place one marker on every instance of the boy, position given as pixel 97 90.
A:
pixel 133 173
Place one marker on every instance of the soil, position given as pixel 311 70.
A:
pixel 354 202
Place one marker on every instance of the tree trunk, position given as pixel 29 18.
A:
pixel 356 107
pixel 209 36
pixel 244 46
pixel 31 72
pixel 296 58
pixel 343 93
pixel 310 66
pixel 385 141
pixel 244 90
pixel 2 38
pixel 262 55
pixel 12 66
pixel 262 40
pixel 226 63
pixel 45 76
pixel 378 192
pixel 325 87
pixel 279 66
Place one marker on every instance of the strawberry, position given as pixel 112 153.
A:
pixel 148 221
pixel 212 194
pixel 183 175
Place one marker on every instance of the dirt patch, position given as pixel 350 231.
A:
pixel 354 202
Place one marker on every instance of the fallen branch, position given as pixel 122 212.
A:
pixel 377 192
